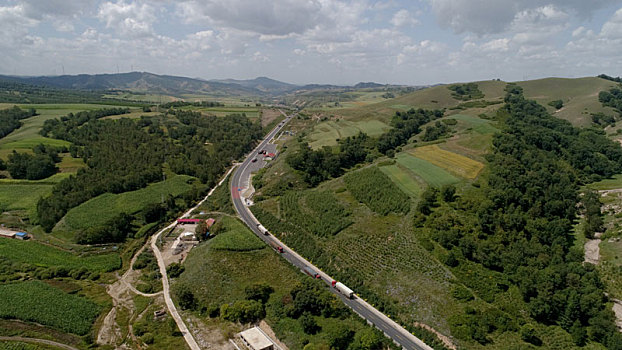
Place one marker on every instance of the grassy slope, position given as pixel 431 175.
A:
pixel 32 252
pixel 99 210
pixel 580 96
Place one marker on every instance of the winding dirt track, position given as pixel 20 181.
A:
pixel 39 341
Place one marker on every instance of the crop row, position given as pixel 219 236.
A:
pixel 38 302
pixel 372 187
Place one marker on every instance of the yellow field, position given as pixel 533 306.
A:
pixel 452 162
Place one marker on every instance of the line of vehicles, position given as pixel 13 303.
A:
pixel 340 287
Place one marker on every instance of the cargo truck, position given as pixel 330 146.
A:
pixel 276 247
pixel 341 288
pixel 309 271
pixel 262 229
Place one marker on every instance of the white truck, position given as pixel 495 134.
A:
pixel 343 289
pixel 262 229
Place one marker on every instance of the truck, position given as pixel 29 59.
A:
pixel 309 271
pixel 276 247
pixel 262 229
pixel 341 288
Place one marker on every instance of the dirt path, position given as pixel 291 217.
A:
pixel 39 341
pixel 592 249
pixel 172 309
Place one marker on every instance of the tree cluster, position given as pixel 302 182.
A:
pixel 466 92
pixel 607 77
pixel 405 125
pixel 125 155
pixel 10 119
pixel 179 104
pixel 35 166
pixel 325 163
pixel 612 98
pixel 435 132
pixel 518 230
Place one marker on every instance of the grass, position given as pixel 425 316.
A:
pixel 38 302
pixel 402 179
pixel 99 210
pixel 372 187
pixel 237 237
pixel 22 196
pixel 608 184
pixel 428 172
pixel 327 133
pixel 460 165
pixel 38 254
pixel 478 125
pixel 580 97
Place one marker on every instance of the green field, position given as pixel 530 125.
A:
pixel 22 197
pixel 236 237
pixel 428 172
pixel 101 209
pixel 372 187
pixel 38 302
pixel 402 178
pixel 478 125
pixel 327 133
pixel 37 254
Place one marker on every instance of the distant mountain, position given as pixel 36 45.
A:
pixel 138 81
pixel 144 82
pixel 263 84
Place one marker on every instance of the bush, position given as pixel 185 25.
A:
pixel 243 311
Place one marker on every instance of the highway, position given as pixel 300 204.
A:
pixel 241 178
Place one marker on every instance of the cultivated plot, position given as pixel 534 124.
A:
pixel 452 162
pixel 428 172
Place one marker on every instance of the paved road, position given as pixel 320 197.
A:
pixel 192 343
pixel 390 328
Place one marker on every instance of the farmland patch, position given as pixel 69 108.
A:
pixel 460 165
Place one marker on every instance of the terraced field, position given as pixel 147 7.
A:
pixel 428 172
pixel 460 165
pixel 327 133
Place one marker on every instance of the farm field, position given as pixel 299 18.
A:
pixel 402 179
pixel 460 165
pixel 38 254
pixel 327 133
pixel 236 237
pixel 22 196
pixel 372 187
pixel 428 172
pixel 99 210
pixel 38 302
pixel 315 212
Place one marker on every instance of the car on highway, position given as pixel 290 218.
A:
pixel 254 160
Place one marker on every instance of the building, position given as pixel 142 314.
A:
pixel 209 222
pixel 188 236
pixel 22 235
pixel 7 234
pixel 255 339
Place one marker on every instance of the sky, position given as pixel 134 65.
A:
pixel 413 42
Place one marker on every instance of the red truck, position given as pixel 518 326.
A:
pixel 276 247
pixel 309 271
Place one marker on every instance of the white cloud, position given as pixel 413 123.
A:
pixel 403 18
pixel 495 16
pixel 133 19
pixel 278 17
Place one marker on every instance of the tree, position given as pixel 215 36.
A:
pixel 339 336
pixel 185 297
pixel 308 323
pixel 259 292
pixel 368 339
pixel 448 193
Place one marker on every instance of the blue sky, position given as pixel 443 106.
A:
pixel 315 41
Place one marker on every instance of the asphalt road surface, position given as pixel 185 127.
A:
pixel 240 179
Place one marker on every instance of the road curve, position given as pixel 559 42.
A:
pixel 374 317
pixel 172 309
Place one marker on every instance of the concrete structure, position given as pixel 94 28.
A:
pixel 256 339
pixel 7 234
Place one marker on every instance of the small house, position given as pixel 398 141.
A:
pixel 255 339
pixel 209 222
